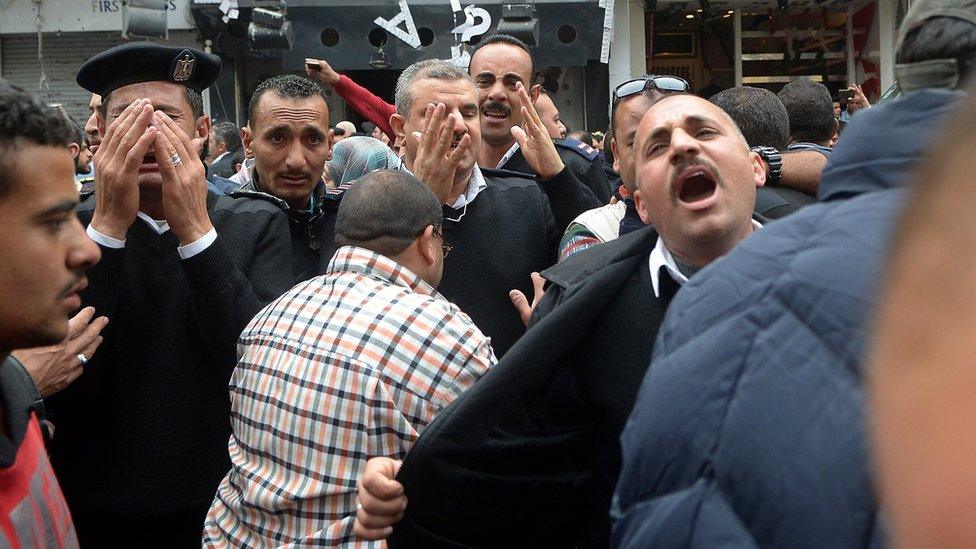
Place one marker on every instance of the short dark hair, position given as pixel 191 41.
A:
pixel 25 120
pixel 941 38
pixel 193 98
pixel 287 86
pixel 810 109
pixel 510 40
pixel 499 38
pixel 368 127
pixel 385 211
pixel 759 114
pixel 229 134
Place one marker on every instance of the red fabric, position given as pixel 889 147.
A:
pixel 33 512
pixel 367 104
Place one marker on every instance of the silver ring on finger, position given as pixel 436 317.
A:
pixel 175 159
pixel 82 359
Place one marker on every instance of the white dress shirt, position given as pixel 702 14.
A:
pixel 476 184
pixel 186 251
pixel 505 158
pixel 661 257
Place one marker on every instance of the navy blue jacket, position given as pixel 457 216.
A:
pixel 748 428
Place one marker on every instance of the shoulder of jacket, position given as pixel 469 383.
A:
pixel 578 147
pixel 243 201
pixel 248 197
pixel 584 265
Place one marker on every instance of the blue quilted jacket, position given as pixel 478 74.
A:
pixel 748 428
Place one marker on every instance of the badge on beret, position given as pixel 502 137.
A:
pixel 183 66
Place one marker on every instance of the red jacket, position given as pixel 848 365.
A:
pixel 367 104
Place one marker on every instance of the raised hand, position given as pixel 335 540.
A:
pixel 436 164
pixel 117 161
pixel 859 101
pixel 534 139
pixel 56 366
pixel 184 180
pixel 322 71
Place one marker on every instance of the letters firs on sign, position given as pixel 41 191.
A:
pixel 477 21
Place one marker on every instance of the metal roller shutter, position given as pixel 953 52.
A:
pixel 62 57
pixel 63 54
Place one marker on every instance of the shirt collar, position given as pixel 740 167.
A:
pixel 353 259
pixel 476 184
pixel 160 226
pixel 508 155
pixel 219 156
pixel 661 257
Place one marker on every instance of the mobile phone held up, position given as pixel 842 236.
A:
pixel 845 96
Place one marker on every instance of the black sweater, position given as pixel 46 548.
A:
pixel 567 194
pixel 505 234
pixel 143 433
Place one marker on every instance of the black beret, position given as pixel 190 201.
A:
pixel 147 62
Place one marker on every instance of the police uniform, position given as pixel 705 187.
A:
pixel 141 436
pixel 586 163
pixel 568 196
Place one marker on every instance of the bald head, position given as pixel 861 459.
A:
pixel 696 178
pixel 393 214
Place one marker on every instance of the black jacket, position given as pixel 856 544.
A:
pixel 312 233
pixel 142 434
pixel 223 167
pixel 586 164
pixel 526 457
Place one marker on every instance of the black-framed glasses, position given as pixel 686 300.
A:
pixel 445 247
pixel 662 83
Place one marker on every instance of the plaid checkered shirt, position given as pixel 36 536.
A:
pixel 344 367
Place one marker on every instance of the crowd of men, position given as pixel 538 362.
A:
pixel 465 324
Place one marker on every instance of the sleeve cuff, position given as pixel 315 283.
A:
pixel 199 245
pixel 210 269
pixel 560 178
pixel 104 240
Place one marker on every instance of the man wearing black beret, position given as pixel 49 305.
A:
pixel 141 437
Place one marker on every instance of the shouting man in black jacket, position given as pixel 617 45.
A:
pixel 140 440
pixel 529 456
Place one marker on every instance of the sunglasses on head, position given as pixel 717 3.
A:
pixel 666 84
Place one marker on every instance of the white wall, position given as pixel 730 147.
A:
pixel 20 16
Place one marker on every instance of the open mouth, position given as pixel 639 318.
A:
pixel 495 112
pixel 696 186
pixel 149 163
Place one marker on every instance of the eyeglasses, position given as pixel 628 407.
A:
pixel 444 245
pixel 666 84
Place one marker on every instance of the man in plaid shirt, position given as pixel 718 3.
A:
pixel 345 366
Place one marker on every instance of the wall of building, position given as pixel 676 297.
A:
pixel 20 16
